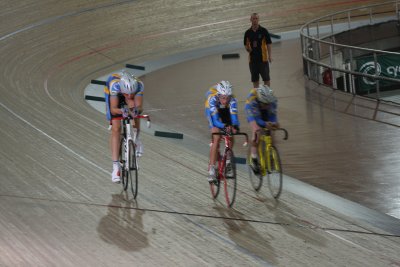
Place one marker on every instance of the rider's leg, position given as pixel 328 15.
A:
pixel 139 144
pixel 115 143
pixel 213 154
pixel 254 164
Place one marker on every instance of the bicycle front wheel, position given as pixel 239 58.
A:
pixel 133 169
pixel 229 177
pixel 275 176
pixel 122 162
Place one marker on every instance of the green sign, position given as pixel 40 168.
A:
pixel 387 66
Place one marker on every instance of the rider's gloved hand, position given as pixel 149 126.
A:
pixel 125 112
pixel 137 111
pixel 226 130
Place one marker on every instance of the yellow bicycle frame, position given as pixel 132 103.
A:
pixel 264 155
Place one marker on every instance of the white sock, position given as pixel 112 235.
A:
pixel 115 164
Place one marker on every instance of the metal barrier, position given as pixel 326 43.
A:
pixel 354 69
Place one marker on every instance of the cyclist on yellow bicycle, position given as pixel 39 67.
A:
pixel 261 111
pixel 221 112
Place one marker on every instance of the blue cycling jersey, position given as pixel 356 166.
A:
pixel 113 89
pixel 254 112
pixel 213 108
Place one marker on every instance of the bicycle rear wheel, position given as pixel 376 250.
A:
pixel 133 169
pixel 122 161
pixel 229 177
pixel 275 176
pixel 257 180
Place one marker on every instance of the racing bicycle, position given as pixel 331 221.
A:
pixel 269 163
pixel 127 153
pixel 226 173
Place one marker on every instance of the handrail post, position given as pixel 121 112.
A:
pixel 370 15
pixel 332 62
pixel 351 77
pixel 349 20
pixel 376 75
pixel 344 65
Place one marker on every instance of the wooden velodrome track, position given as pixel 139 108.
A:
pixel 58 205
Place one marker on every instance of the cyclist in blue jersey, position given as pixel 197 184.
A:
pixel 123 96
pixel 261 111
pixel 222 114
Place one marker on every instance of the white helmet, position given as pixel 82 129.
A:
pixel 265 94
pixel 224 88
pixel 128 83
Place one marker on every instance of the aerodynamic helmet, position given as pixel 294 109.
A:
pixel 265 94
pixel 224 88
pixel 128 83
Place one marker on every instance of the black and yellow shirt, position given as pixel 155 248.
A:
pixel 257 41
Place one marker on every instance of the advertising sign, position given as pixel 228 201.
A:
pixel 387 66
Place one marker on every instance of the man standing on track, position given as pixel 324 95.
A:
pixel 257 42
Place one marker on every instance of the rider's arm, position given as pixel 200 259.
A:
pixel 139 103
pixel 139 98
pixel 115 92
pixel 212 105
pixel 272 113
pixel 114 103
pixel 253 112
pixel 215 119
pixel 234 112
pixel 272 121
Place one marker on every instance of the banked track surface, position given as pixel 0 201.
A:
pixel 58 204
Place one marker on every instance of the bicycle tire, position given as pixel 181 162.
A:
pixel 229 179
pixel 122 161
pixel 133 169
pixel 257 180
pixel 215 187
pixel 275 175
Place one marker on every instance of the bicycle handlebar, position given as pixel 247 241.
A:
pixel 277 129
pixel 147 117
pixel 285 131
pixel 231 134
